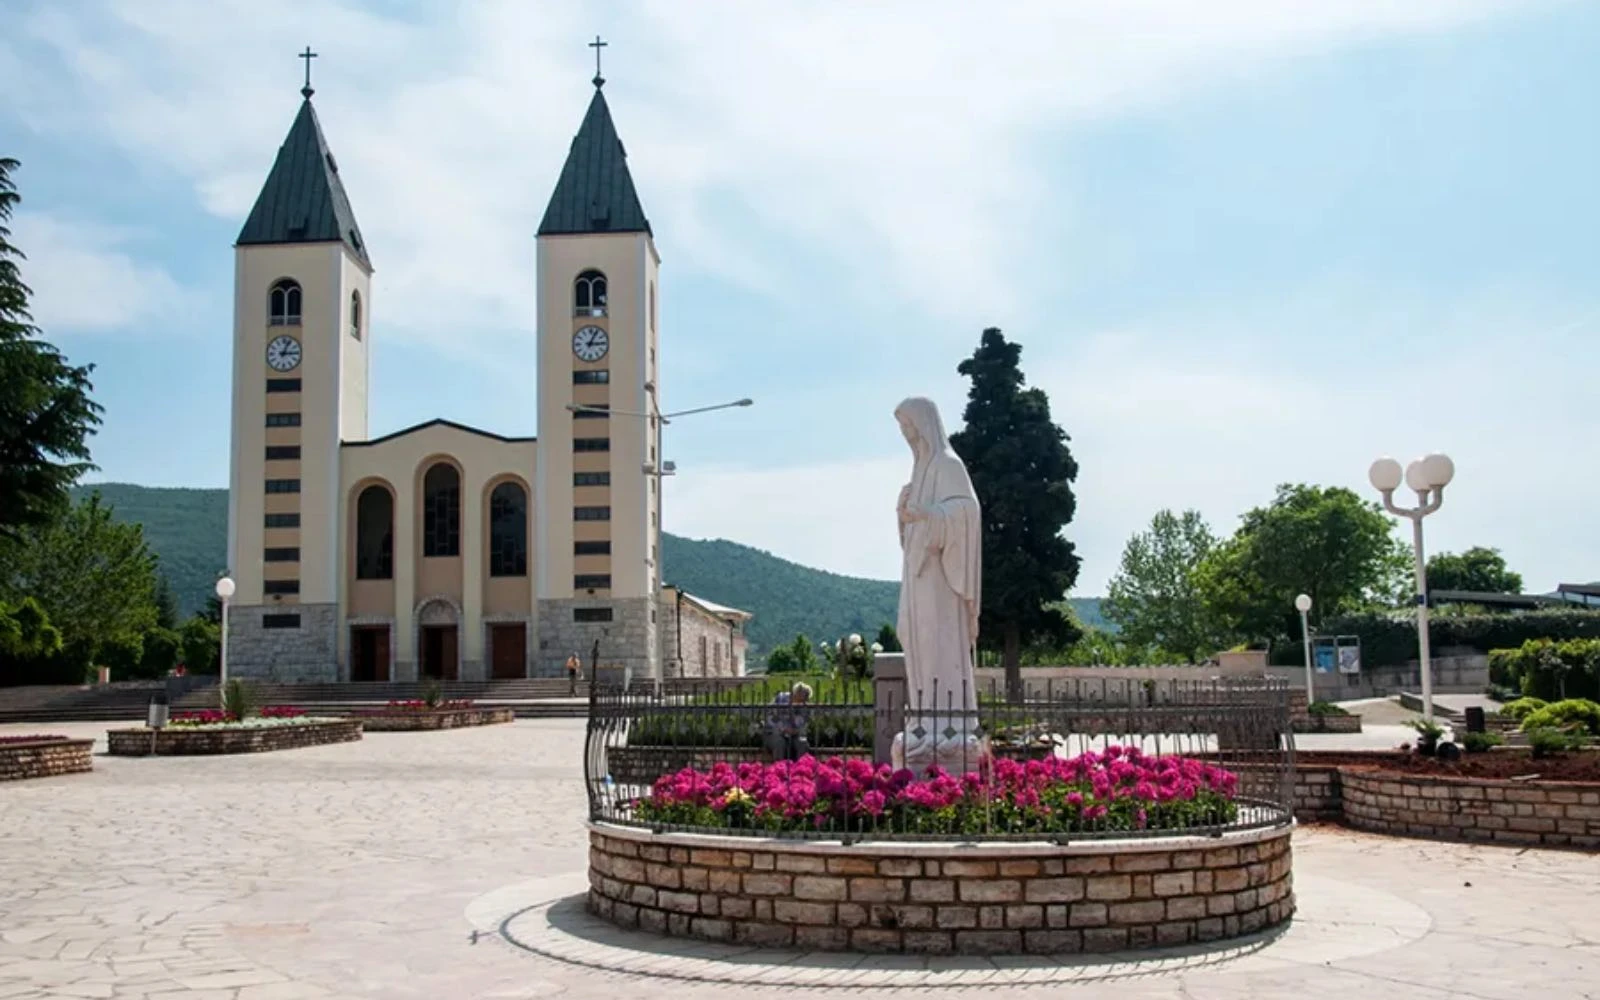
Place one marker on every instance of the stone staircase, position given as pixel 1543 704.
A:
pixel 86 703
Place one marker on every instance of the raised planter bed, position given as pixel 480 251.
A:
pixel 942 898
pixel 44 757
pixel 1442 807
pixel 410 720
pixel 1327 724
pixel 197 740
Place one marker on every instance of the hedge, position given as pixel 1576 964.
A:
pixel 1548 670
pixel 1389 638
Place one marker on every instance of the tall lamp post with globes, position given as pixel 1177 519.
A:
pixel 225 588
pixel 1427 477
pixel 1302 604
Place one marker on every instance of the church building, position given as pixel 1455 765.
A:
pixel 443 550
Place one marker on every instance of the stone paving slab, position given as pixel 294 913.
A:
pixel 387 869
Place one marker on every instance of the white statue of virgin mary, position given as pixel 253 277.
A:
pixel 941 581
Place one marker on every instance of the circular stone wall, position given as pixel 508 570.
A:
pixel 942 898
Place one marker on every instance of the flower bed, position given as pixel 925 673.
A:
pixel 253 735
pixel 1438 806
pixel 272 714
pixel 1119 790
pixel 43 756
pixel 417 720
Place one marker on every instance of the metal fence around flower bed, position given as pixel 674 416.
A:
pixel 1090 759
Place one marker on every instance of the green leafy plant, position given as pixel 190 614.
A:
pixel 1521 708
pixel 238 700
pixel 1429 733
pixel 1324 708
pixel 1480 742
pixel 1572 714
pixel 1548 740
pixel 432 694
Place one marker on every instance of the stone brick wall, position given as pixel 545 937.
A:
pixel 627 641
pixel 711 647
pixel 1561 814
pixel 183 741
pixel 306 654
pixel 45 759
pixel 941 898
pixel 1328 724
pixel 404 722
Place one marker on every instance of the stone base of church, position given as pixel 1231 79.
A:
pixel 284 655
pixel 625 640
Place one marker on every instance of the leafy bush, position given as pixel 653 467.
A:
pixel 1549 669
pixel 238 700
pixel 1547 741
pixel 432 694
pixel 1324 708
pixel 1574 713
pixel 1522 708
pixel 1480 742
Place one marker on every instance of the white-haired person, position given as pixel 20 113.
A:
pixel 786 726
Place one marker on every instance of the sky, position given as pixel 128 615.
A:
pixel 1242 243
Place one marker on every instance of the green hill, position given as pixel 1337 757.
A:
pixel 188 529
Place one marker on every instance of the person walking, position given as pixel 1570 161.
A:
pixel 574 665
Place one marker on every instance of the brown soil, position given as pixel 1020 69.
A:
pixel 1504 764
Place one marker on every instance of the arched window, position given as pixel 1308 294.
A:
pixel 375 534
pixel 589 294
pixel 508 531
pixel 441 511
pixel 355 315
pixel 283 303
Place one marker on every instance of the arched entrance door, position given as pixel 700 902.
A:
pixel 438 641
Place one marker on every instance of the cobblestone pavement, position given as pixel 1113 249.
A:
pixel 444 865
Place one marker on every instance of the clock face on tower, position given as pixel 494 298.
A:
pixel 590 344
pixel 283 354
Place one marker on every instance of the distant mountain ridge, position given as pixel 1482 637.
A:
pixel 188 530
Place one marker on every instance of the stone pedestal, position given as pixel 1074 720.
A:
pixel 889 703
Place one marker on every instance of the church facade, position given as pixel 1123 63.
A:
pixel 443 550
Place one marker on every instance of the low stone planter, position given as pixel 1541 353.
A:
pixel 1327 724
pixel 942 898
pixel 45 758
pixel 414 721
pixel 1438 807
pixel 184 741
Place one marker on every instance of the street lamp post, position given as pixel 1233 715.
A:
pixel 1302 604
pixel 225 589
pixel 657 470
pixel 1427 477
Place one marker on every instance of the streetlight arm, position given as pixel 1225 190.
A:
pixel 708 409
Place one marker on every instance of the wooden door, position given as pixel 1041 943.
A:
pixel 447 653
pixel 508 651
pixel 380 653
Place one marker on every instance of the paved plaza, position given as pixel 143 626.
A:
pixel 447 865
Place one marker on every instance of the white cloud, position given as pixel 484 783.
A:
pixel 891 139
pixel 83 283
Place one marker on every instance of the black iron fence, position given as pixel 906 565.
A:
pixel 1075 759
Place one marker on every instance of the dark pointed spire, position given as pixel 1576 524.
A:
pixel 303 200
pixel 595 193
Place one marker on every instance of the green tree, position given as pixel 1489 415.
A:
pixel 805 655
pixel 201 643
pixel 166 604
pixel 1155 598
pixel 92 575
pixel 1325 542
pixel 1023 472
pixel 889 639
pixel 46 414
pixel 1477 569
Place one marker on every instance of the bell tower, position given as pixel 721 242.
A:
pixel 597 508
pixel 302 300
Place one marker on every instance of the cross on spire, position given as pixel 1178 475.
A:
pixel 597 45
pixel 307 55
